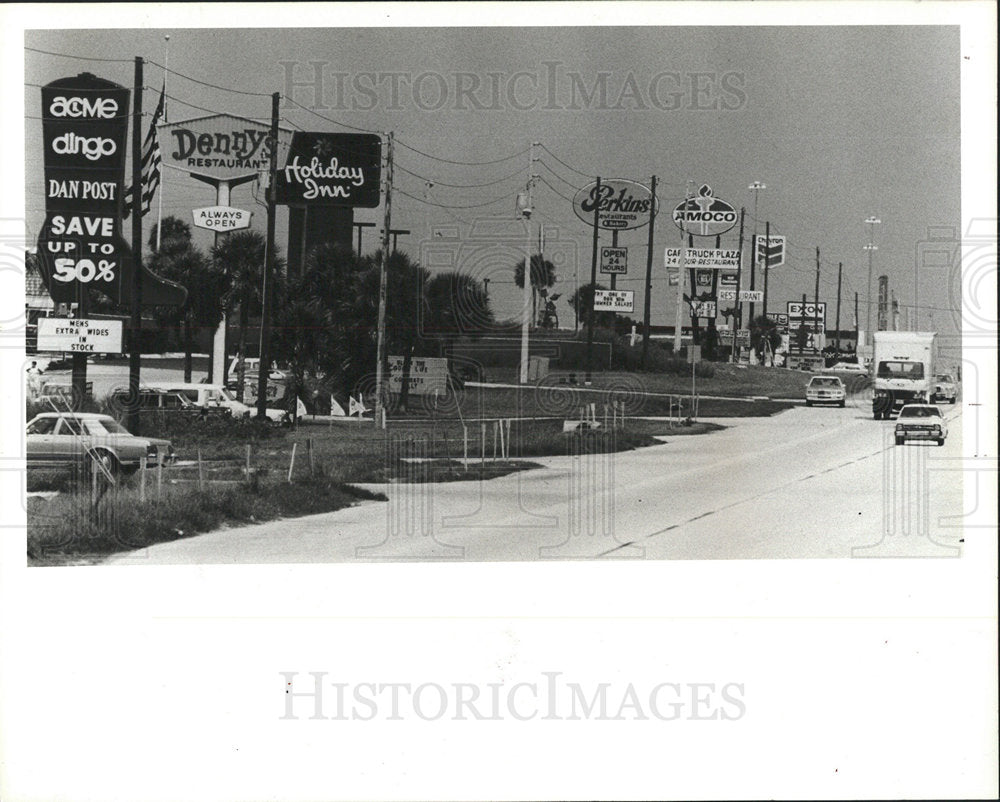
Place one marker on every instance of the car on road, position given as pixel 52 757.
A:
pixel 825 390
pixel 161 400
pixel 944 388
pixel 215 396
pixel 921 422
pixel 846 367
pixel 57 439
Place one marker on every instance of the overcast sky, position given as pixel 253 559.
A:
pixel 839 123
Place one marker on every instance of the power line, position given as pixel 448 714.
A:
pixel 436 182
pixel 80 58
pixel 330 119
pixel 206 83
pixel 463 164
pixel 453 206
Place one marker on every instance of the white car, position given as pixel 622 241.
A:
pixel 825 390
pixel 944 388
pixel 846 367
pixel 921 422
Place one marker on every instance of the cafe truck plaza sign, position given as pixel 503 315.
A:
pixel 221 218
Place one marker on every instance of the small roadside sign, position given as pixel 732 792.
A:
pixel 221 218
pixel 703 309
pixel 693 354
pixel 614 300
pixel 80 335
pixel 614 260
pixel 727 295
pixel 754 296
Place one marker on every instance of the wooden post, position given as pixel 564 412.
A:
pixel 291 464
pixel 201 472
pixel 496 428
pixel 482 445
pixel 142 480
pixel 159 474
pixel 465 447
pixel 248 462
pixel 312 458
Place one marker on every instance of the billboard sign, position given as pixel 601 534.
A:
pixel 796 311
pixel 80 246
pixel 614 301
pixel 622 205
pixel 704 258
pixel 221 218
pixel 614 260
pixel 220 146
pixel 78 336
pixel 705 215
pixel 770 251
pixel 428 375
pixel 326 169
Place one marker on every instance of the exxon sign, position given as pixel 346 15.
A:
pixel 705 215
pixel 622 204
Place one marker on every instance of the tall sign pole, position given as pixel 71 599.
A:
pixel 840 271
pixel 593 282
pixel 679 317
pixel 855 324
pixel 766 267
pixel 755 188
pixel 871 222
pixel 738 306
pixel 383 271
pixel 816 302
pixel 649 277
pixel 136 317
pixel 266 290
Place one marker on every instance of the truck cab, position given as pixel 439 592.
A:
pixel 903 370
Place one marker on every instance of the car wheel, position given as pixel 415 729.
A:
pixel 952 401
pixel 900 441
pixel 940 441
pixel 842 403
pixel 809 403
pixel 109 461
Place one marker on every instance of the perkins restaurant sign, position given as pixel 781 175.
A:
pixel 221 146
pixel 621 204
pixel 331 170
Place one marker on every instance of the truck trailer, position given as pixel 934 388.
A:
pixel 904 364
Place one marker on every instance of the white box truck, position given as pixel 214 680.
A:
pixel 904 363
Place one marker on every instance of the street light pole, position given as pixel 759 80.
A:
pixel 871 247
pixel 755 188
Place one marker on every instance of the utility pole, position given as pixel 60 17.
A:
pixel 136 319
pixel 647 305
pixel 267 291
pixel 755 188
pixel 855 324
pixel 816 304
pixel 802 324
pixel 871 222
pixel 738 306
pixel 680 277
pixel 840 271
pixel 766 267
pixel 526 296
pixel 593 282
pixel 383 265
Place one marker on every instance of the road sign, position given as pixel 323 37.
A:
pixel 80 335
pixel 727 280
pixel 703 258
pixel 703 309
pixel 753 296
pixel 796 311
pixel 221 218
pixel 704 278
pixel 771 251
pixel 705 215
pixel 614 260
pixel 778 317
pixel 673 277
pixel 613 300
pixel 694 354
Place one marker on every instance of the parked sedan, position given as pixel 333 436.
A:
pixel 846 367
pixel 921 422
pixel 825 390
pixel 944 388
pixel 55 439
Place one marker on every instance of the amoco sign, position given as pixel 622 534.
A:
pixel 705 215
pixel 621 204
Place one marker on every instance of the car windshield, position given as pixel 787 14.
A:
pixel 900 370
pixel 919 412
pixel 823 382
pixel 225 394
pixel 943 377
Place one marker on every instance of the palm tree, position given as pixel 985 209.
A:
pixel 543 274
pixel 241 258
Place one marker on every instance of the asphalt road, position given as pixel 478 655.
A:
pixel 808 483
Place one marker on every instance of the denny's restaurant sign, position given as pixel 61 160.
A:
pixel 621 204
pixel 222 146
pixel 331 170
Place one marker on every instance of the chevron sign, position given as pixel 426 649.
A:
pixel 771 251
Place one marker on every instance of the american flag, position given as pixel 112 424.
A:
pixel 150 163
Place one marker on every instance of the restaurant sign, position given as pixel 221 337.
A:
pixel 621 204
pixel 220 146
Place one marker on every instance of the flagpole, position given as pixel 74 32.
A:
pixel 166 72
